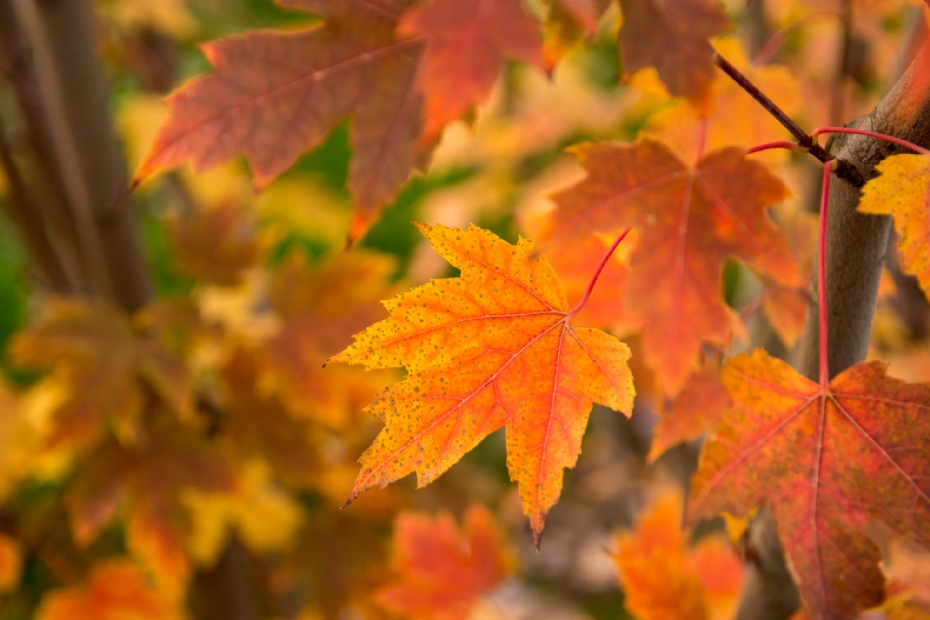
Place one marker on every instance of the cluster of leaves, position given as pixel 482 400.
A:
pixel 224 416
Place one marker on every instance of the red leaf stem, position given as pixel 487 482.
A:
pixel 778 144
pixel 871 134
pixel 597 273
pixel 822 274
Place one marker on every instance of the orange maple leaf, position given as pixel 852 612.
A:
pixel 824 460
pixel 673 38
pixel 492 348
pixel 666 579
pixel 902 190
pixel 439 574
pixel 275 95
pixel 320 307
pixel 466 44
pixel 217 244
pixel 116 591
pixel 107 368
pixel 147 479
pixel 690 220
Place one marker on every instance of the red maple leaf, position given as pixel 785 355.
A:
pixel 672 36
pixel 274 95
pixel 690 220
pixel 824 460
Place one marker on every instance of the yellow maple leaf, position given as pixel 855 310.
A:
pixel 903 190
pixel 265 517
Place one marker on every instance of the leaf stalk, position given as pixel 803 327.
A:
pixel 597 273
pixel 871 134
pixel 822 275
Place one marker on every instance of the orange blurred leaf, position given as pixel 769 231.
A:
pixel 321 306
pixel 258 425
pixel 11 563
pixel 440 573
pixel 492 348
pixel 696 410
pixel 690 220
pixel 673 38
pixel 664 578
pixel 216 244
pixel 116 591
pixel 824 460
pixel 107 369
pixel 466 45
pixel 146 480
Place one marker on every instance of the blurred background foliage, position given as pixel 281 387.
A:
pixel 248 448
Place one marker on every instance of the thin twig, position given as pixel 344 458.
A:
pixel 844 170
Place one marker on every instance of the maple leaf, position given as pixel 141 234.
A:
pixel 673 38
pixel 147 479
pixel 466 44
pixel 824 460
pixel 116 591
pixel 106 368
pixel 320 307
pixel 492 348
pixel 690 220
pixel 258 425
pixel 696 410
pixel 274 95
pixel 263 515
pixel 439 574
pixel 11 562
pixel 666 579
pixel 216 244
pixel 902 190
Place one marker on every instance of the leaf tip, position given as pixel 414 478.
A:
pixel 537 538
